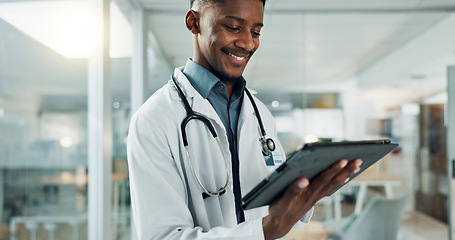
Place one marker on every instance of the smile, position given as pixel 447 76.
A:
pixel 236 57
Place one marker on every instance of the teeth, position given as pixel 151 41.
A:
pixel 236 57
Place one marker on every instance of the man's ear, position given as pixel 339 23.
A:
pixel 192 21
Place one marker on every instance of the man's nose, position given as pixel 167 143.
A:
pixel 246 41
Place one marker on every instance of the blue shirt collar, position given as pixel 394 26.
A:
pixel 204 81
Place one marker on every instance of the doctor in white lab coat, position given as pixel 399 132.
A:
pixel 160 198
pixel 166 197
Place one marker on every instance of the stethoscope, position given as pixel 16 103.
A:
pixel 267 144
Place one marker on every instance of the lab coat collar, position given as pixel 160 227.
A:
pixel 196 101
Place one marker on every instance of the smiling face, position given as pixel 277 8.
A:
pixel 226 35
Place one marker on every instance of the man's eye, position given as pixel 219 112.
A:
pixel 233 28
pixel 255 34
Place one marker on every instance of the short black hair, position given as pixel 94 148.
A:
pixel 214 1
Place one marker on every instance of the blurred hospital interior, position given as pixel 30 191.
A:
pixel 72 72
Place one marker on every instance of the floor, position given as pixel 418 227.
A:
pixel 418 226
pixel 415 225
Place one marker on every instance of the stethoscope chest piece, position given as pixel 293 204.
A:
pixel 268 146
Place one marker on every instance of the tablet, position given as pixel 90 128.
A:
pixel 310 161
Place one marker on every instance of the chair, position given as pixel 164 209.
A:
pixel 380 220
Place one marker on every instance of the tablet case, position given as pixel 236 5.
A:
pixel 310 161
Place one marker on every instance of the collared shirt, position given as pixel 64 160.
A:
pixel 228 109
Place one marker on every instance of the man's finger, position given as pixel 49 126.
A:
pixel 342 177
pixel 292 192
pixel 326 177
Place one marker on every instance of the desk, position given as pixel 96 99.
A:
pixel 373 179
pixel 363 181
pixel 32 224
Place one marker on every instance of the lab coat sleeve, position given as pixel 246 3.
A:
pixel 158 194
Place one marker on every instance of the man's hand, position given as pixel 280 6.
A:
pixel 301 196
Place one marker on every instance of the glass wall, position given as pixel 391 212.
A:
pixel 43 125
pixel 44 48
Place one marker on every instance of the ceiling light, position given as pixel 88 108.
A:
pixel 66 142
pixel 275 104
pixel 67 26
pixel 116 105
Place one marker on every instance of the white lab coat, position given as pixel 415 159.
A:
pixel 162 207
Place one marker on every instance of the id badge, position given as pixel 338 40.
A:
pixel 269 160
pixel 274 159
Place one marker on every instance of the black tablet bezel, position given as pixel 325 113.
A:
pixel 305 160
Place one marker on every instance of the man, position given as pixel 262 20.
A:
pixel 186 184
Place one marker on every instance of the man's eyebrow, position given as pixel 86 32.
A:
pixel 260 24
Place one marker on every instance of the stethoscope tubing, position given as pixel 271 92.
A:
pixel 256 110
pixel 206 192
pixel 191 115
